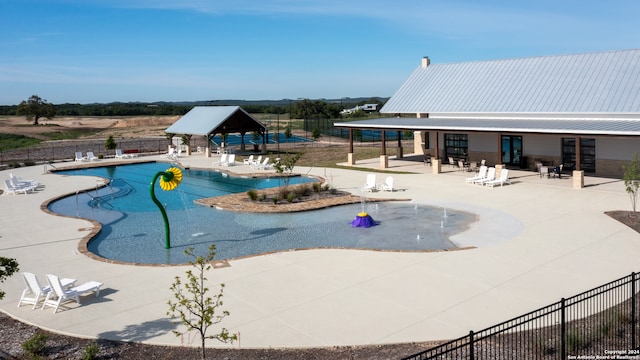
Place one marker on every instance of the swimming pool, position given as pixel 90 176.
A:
pixel 133 229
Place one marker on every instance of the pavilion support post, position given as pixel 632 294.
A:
pixel 384 161
pixel 384 158
pixel 400 150
pixel 188 144
pixel 242 144
pixel 350 158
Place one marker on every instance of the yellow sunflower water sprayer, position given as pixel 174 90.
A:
pixel 169 180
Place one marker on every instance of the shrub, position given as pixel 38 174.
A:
pixel 292 196
pixel 283 193
pixel 304 190
pixel 326 187
pixel 36 345
pixel 29 163
pixel 275 199
pixel 253 194
pixel 316 187
pixel 91 351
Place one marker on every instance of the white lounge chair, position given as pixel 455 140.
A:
pixel 10 188
pixel 231 160
pixel 222 160
pixel 491 175
pixel 34 291
pixel 60 294
pixel 19 182
pixel 248 161
pixel 503 179
pixel 370 185
pixel 120 154
pixel 257 162
pixel 91 157
pixel 171 154
pixel 79 156
pixel 482 173
pixel 264 165
pixel 387 185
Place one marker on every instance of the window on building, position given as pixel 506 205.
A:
pixel 456 146
pixel 587 154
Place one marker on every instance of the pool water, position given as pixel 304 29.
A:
pixel 133 229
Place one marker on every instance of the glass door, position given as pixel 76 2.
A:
pixel 511 150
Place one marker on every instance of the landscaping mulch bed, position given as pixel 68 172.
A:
pixel 14 334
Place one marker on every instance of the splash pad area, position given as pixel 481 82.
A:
pixel 133 232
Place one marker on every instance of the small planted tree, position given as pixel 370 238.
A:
pixel 316 134
pixel 8 267
pixel 287 132
pixel 632 179
pixel 192 303
pixel 110 144
pixel 285 165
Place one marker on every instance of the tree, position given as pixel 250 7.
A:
pixel 195 308
pixel 316 134
pixel 285 166
pixel 110 144
pixel 8 267
pixel 35 108
pixel 632 179
pixel 287 132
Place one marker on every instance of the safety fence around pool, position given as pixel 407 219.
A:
pixel 599 323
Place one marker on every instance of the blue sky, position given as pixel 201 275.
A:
pixel 84 51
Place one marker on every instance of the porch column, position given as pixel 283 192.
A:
pixel 499 161
pixel 436 163
pixel 242 145
pixel 578 175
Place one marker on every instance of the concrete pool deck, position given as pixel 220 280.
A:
pixel 539 240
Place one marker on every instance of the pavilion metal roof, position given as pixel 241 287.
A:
pixel 615 127
pixel 605 82
pixel 207 120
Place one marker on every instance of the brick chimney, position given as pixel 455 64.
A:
pixel 425 61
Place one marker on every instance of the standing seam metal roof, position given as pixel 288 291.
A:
pixel 205 120
pixel 607 82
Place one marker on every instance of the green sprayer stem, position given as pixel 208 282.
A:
pixel 167 177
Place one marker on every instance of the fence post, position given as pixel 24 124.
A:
pixel 633 311
pixel 563 329
pixel 471 349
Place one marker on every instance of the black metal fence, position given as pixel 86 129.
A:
pixel 326 128
pixel 600 323
pixel 64 150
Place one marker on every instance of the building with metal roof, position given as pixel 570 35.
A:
pixel 211 120
pixel 582 110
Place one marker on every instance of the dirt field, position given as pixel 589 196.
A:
pixel 120 127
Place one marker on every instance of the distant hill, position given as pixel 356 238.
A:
pixel 282 102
